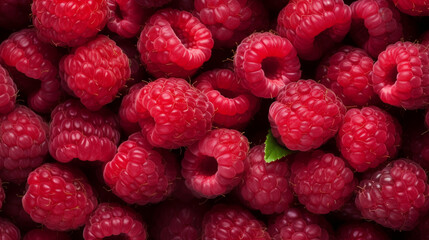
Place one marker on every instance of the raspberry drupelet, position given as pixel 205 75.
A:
pixel 8 92
pixel 8 231
pixel 413 7
pixel 128 118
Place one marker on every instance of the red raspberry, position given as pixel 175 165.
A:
pixel 66 200
pixel 401 75
pixel 305 115
pixel 215 165
pixel 413 7
pixel 69 22
pixel 14 14
pixel 347 72
pixel 234 105
pixel 126 17
pixel 8 92
pixel 152 3
pixel 8 231
pixel 112 219
pixel 128 117
pixel 361 231
pixel 265 62
pixel 76 132
pixel 45 234
pixel 96 71
pixel 314 26
pixel 396 196
pixel 174 43
pixel 225 222
pixel 172 113
pixel 265 186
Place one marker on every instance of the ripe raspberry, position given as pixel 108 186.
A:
pixel 58 197
pixel 413 7
pixel 76 132
pixel 361 231
pixel 69 22
pixel 314 26
pixel 152 3
pixel 305 115
pixel 112 219
pixel 234 106
pixel 126 17
pixel 401 75
pixel 128 118
pixel 396 196
pixel 174 43
pixel 215 165
pixel 45 234
pixel 8 231
pixel 14 14
pixel 265 62
pixel 232 222
pixel 265 186
pixel 8 92
pixel 347 72
pixel 172 113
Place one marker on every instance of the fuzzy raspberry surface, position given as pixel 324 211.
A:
pixel 126 17
pixel 8 231
pixel 14 14
pixel 8 92
pixel 45 234
pixel 413 7
pixel 361 231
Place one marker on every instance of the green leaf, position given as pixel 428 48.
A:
pixel 273 150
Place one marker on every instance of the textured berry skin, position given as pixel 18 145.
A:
pixel 375 25
pixel 23 145
pixel 413 7
pixel 265 186
pixel 112 219
pixel 313 27
pixel 140 174
pixel 172 113
pixel 8 92
pixel 225 222
pixel 66 201
pixel 361 231
pixel 174 43
pixel 69 22
pixel 368 137
pixel 14 14
pixel 347 72
pixel 396 196
pixel 128 118
pixel 401 75
pixel 45 234
pixel 76 132
pixel 152 3
pixel 96 71
pixel 234 106
pixel 305 115
pixel 125 17
pixel 8 231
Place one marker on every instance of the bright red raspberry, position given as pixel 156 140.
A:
pixel 413 7
pixel 395 196
pixel 314 26
pixel 113 219
pixel 58 197
pixel 69 22
pixel 234 106
pixel 76 132
pixel 361 231
pixel 8 92
pixel 152 3
pixel 125 17
pixel 401 75
pixel 305 115
pixel 174 43
pixel 14 14
pixel 45 234
pixel 265 62
pixel 128 118
pixel 8 231
pixel 347 72
pixel 225 222
pixel 172 113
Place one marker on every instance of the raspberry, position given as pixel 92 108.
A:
pixel 69 22
pixel 14 14
pixel 152 3
pixel 396 196
pixel 347 72
pixel 232 222
pixel 128 118
pixel 375 25
pixel 8 92
pixel 76 132
pixel 266 62
pixel 265 186
pixel 126 17
pixel 305 115
pixel 234 105
pixel 361 231
pixel 8 231
pixel 112 219
pixel 413 7
pixel 45 234
pixel 96 71
pixel 314 26
pixel 66 199
pixel 401 75
pixel 215 165
pixel 172 113
pixel 174 43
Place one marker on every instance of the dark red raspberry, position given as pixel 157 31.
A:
pixel 348 212
pixel 215 164
pixel 45 234
pixel 69 22
pixel 8 92
pixel 174 43
pixel 58 197
pixel 8 231
pixel 224 222
pixel 421 231
pixel 314 26
pixel 265 62
pixel 361 231
pixel 152 3
pixel 305 115
pixel 128 117
pixel 125 17
pixel 401 75
pixel 234 106
pixel 172 113
pixel 347 72
pixel 396 196
pixel 265 186
pixel 12 207
pixel 113 219
pixel 416 146
pixel 14 14
pixel 76 132
pixel 413 7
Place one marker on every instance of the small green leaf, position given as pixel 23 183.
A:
pixel 273 150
